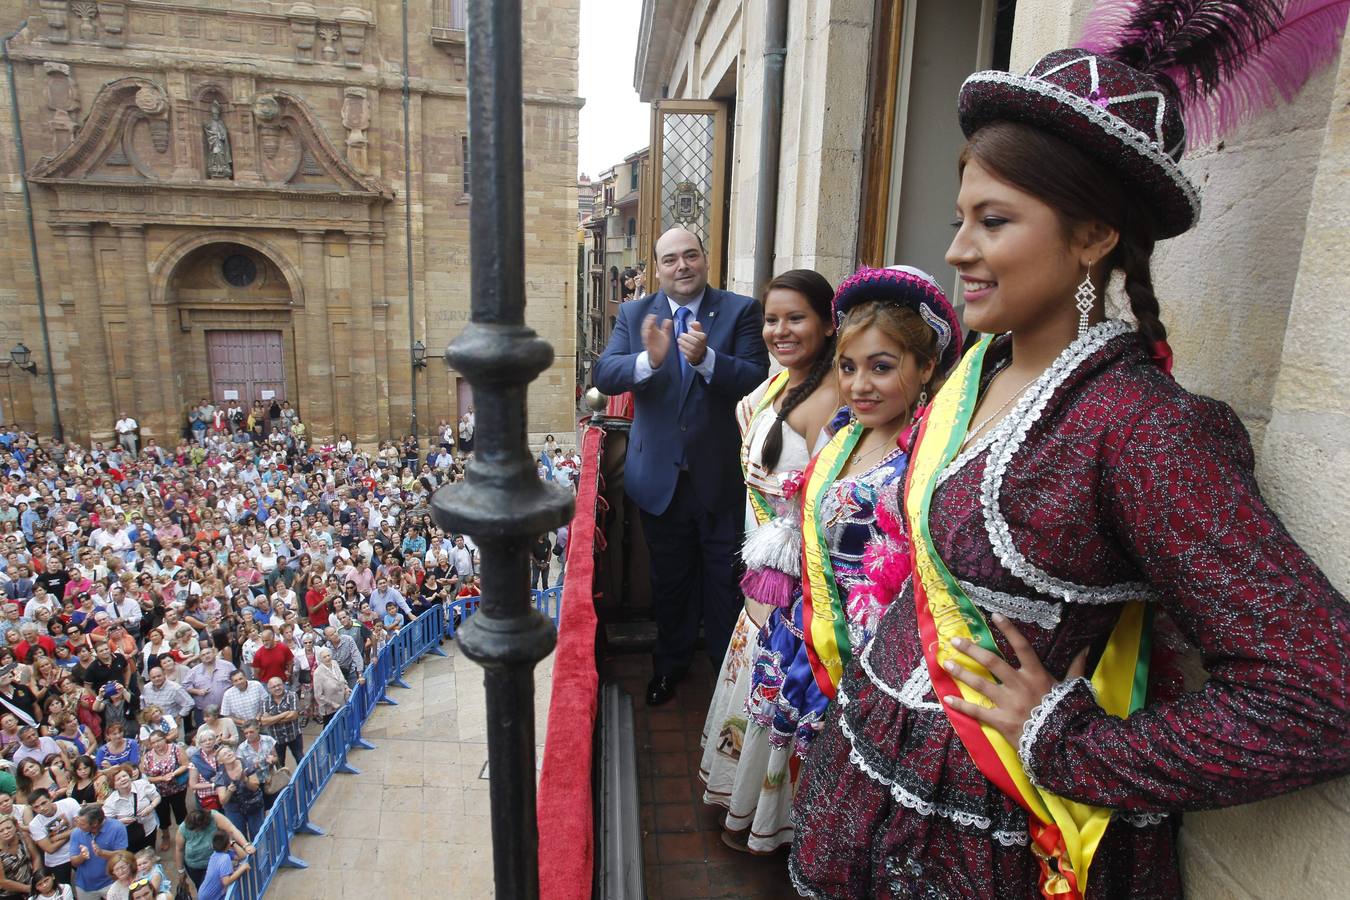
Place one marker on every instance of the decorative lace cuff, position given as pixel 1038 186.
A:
pixel 1040 714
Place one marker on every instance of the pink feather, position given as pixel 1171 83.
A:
pixel 1105 24
pixel 1308 38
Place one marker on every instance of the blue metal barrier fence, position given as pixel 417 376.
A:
pixel 327 755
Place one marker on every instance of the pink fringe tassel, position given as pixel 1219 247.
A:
pixel 769 586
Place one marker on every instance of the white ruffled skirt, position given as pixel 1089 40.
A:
pixel 741 771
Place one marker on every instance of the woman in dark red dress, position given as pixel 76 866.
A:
pixel 1068 503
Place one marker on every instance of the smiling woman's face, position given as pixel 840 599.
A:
pixel 792 331
pixel 1018 266
pixel 878 379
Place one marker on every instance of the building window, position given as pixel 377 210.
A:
pixel 634 176
pixel 449 19
pixel 450 15
pixel 239 270
pixel 632 234
pixel 464 156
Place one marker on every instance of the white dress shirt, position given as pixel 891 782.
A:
pixel 642 368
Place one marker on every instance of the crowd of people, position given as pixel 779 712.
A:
pixel 172 620
pixel 947 618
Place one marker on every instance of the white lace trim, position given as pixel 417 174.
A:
pixel 911 694
pixel 1024 415
pixel 918 804
pixel 1110 124
pixel 1036 719
pixel 802 889
pixel 1142 819
pixel 981 444
pixel 1159 109
pixel 1023 609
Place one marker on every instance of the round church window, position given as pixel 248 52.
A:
pixel 239 270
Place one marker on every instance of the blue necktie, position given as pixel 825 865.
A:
pixel 681 327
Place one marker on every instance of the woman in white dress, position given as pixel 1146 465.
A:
pixel 782 425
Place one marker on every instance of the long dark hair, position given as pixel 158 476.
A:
pixel 819 296
pixel 1080 191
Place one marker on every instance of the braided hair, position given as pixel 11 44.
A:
pixel 819 295
pixel 1080 191
pixel 1132 257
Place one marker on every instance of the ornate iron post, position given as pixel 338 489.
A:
pixel 502 503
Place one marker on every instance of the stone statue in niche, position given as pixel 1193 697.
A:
pixel 356 119
pixel 219 162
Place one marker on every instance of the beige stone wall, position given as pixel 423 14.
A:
pixel 1262 850
pixel 348 347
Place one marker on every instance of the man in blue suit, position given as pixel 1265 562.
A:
pixel 688 353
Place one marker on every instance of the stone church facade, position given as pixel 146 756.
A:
pixel 220 205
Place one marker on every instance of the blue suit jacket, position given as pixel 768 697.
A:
pixel 691 424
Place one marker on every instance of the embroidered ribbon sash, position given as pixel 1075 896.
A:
pixel 824 625
pixel 763 511
pixel 1065 834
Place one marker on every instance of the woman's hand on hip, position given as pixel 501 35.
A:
pixel 1016 692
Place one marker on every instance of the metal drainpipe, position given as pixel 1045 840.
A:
pixel 502 503
pixel 58 432
pixel 407 219
pixel 770 141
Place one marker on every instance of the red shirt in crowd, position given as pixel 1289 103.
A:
pixel 316 602
pixel 22 649
pixel 269 663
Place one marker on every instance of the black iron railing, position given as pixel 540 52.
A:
pixel 502 503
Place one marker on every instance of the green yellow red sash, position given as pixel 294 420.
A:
pixel 763 511
pixel 824 624
pixel 1065 835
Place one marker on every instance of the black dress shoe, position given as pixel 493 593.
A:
pixel 660 689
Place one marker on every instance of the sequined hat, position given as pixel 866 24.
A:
pixel 911 288
pixel 1120 117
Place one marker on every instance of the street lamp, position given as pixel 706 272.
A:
pixel 22 358
pixel 419 355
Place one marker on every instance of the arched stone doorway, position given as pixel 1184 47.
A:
pixel 233 298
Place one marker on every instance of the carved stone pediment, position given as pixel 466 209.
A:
pixel 135 134
pixel 294 149
pixel 116 131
